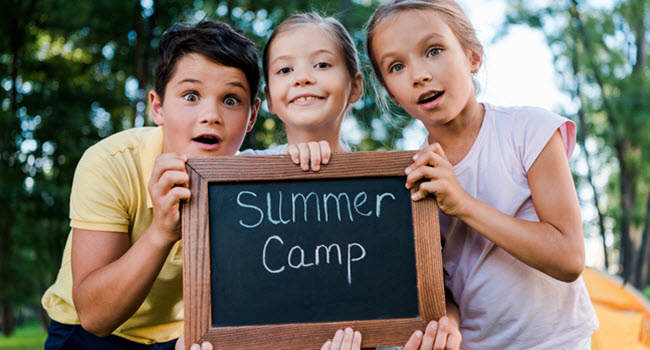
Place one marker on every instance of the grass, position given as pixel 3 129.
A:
pixel 28 337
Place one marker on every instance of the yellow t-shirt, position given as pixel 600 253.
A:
pixel 109 193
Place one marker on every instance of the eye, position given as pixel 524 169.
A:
pixel 322 65
pixel 434 52
pixel 284 70
pixel 191 97
pixel 395 68
pixel 231 101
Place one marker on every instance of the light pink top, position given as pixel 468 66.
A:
pixel 505 304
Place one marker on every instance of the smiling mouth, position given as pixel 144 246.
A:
pixel 207 139
pixel 430 97
pixel 306 98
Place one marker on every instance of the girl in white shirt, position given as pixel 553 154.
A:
pixel 514 247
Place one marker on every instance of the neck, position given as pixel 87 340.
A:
pixel 329 134
pixel 458 135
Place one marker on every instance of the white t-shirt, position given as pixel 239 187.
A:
pixel 504 303
pixel 263 152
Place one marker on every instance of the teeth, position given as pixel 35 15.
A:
pixel 430 97
pixel 305 98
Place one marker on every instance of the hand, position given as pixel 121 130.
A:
pixel 344 340
pixel 180 344
pixel 168 186
pixel 438 336
pixel 311 153
pixel 432 165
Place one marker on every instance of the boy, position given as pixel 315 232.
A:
pixel 120 282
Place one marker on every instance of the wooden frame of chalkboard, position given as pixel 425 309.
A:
pixel 197 266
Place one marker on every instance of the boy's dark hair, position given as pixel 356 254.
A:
pixel 216 41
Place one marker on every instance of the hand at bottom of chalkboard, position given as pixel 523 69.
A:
pixel 344 340
pixel 438 335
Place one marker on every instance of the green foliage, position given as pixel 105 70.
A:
pixel 28 337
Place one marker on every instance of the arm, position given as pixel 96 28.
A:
pixel 554 245
pixel 111 280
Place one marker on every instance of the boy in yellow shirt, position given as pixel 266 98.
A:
pixel 120 282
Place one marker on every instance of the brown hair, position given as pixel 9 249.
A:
pixel 216 41
pixel 331 25
pixel 450 12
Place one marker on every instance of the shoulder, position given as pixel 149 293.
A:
pixel 518 117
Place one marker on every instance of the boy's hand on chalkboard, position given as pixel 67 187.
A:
pixel 168 186
pixel 310 154
pixel 438 336
pixel 431 165
pixel 344 340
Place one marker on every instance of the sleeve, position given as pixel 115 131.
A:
pixel 97 199
pixel 540 125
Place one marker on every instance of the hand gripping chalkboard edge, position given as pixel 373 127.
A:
pixel 196 256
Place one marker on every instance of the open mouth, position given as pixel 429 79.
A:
pixel 207 139
pixel 430 97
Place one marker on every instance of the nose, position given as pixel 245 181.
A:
pixel 420 74
pixel 210 114
pixel 303 77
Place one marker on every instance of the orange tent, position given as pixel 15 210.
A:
pixel 623 312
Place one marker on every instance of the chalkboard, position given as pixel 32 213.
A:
pixel 275 257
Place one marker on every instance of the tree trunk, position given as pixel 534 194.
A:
pixel 642 262
pixel 7 322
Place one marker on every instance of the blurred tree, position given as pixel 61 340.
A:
pixel 601 55
pixel 72 73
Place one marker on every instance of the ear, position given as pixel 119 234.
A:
pixel 475 61
pixel 253 117
pixel 357 89
pixel 269 103
pixel 155 106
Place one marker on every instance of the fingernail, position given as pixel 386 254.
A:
pixel 433 324
pixel 415 196
pixel 195 347
pixel 339 333
pixel 415 157
pixel 205 346
pixel 326 160
pixel 407 171
pixel 418 334
pixel 316 168
pixel 305 167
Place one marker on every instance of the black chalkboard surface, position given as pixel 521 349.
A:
pixel 257 235
pixel 349 256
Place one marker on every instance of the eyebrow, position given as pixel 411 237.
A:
pixel 426 38
pixel 196 81
pixel 315 53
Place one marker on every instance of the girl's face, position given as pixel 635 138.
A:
pixel 309 87
pixel 428 73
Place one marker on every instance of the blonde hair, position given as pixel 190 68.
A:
pixel 329 24
pixel 449 11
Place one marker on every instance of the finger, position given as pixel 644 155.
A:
pixel 327 345
pixel 428 188
pixel 167 161
pixel 356 341
pixel 294 153
pixel 195 347
pixel 414 341
pixel 168 180
pixel 304 156
pixel 434 147
pixel 427 174
pixel 338 339
pixel 325 151
pixel 348 337
pixel 429 336
pixel 441 335
pixel 453 341
pixel 314 154
pixel 206 346
pixel 428 159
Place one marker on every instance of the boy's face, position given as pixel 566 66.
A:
pixel 207 108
